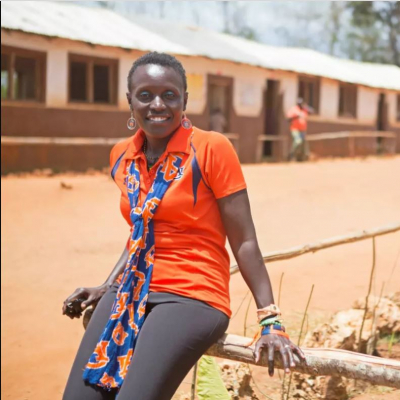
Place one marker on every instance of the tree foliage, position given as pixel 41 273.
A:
pixel 360 30
pixel 235 20
pixel 374 34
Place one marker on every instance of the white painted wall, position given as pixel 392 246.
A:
pixel 391 98
pixel 249 82
pixel 367 105
pixel 329 99
pixel 57 78
pixel 289 88
pixel 57 66
pixel 248 87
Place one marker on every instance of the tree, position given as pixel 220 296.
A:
pixel 235 20
pixel 375 33
pixel 107 4
pixel 334 25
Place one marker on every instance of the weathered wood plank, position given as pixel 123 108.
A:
pixel 333 362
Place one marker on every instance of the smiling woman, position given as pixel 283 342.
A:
pixel 167 299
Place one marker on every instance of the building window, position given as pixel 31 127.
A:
pixel 308 90
pixel 348 101
pixel 398 108
pixel 92 80
pixel 22 74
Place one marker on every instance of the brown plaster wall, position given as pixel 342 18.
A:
pixel 397 131
pixel 58 158
pixel 48 122
pixel 36 121
pixel 323 127
pixel 51 122
pixel 54 122
pixel 340 147
pixel 248 129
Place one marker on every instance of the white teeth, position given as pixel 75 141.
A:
pixel 158 119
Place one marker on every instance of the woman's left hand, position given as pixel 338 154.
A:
pixel 276 343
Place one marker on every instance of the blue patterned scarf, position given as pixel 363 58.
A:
pixel 109 363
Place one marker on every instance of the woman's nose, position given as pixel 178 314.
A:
pixel 157 104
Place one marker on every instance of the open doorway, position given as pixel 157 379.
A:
pixel 381 123
pixel 271 106
pixel 382 120
pixel 219 103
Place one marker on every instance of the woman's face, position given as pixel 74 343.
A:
pixel 158 99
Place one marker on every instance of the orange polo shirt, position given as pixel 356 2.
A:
pixel 299 123
pixel 190 255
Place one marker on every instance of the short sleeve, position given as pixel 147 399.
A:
pixel 116 154
pixel 223 171
pixel 113 156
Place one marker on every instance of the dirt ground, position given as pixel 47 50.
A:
pixel 56 239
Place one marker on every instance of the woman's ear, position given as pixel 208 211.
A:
pixel 129 98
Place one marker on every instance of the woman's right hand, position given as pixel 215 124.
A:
pixel 91 296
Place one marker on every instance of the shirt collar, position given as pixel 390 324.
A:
pixel 179 143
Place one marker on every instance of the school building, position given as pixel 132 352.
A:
pixel 63 88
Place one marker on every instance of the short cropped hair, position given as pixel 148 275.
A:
pixel 163 59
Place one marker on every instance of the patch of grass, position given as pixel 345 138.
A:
pixel 392 339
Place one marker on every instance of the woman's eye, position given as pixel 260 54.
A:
pixel 170 95
pixel 144 95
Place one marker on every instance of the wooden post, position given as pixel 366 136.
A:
pixel 352 150
pixel 90 81
pixel 259 150
pixel 325 244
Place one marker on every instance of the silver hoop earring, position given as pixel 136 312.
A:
pixel 186 122
pixel 131 124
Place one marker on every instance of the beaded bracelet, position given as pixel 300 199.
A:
pixel 267 329
pixel 271 321
pixel 275 332
pixel 275 328
pixel 271 310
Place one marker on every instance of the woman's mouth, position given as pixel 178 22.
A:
pixel 157 118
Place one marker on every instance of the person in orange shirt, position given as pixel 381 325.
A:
pixel 297 117
pixel 167 299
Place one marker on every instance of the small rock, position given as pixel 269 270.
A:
pixel 298 393
pixel 65 186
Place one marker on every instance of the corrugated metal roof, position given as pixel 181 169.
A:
pixel 104 27
pixel 91 25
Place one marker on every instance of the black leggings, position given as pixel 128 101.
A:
pixel 176 332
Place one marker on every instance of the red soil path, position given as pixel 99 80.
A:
pixel 56 239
